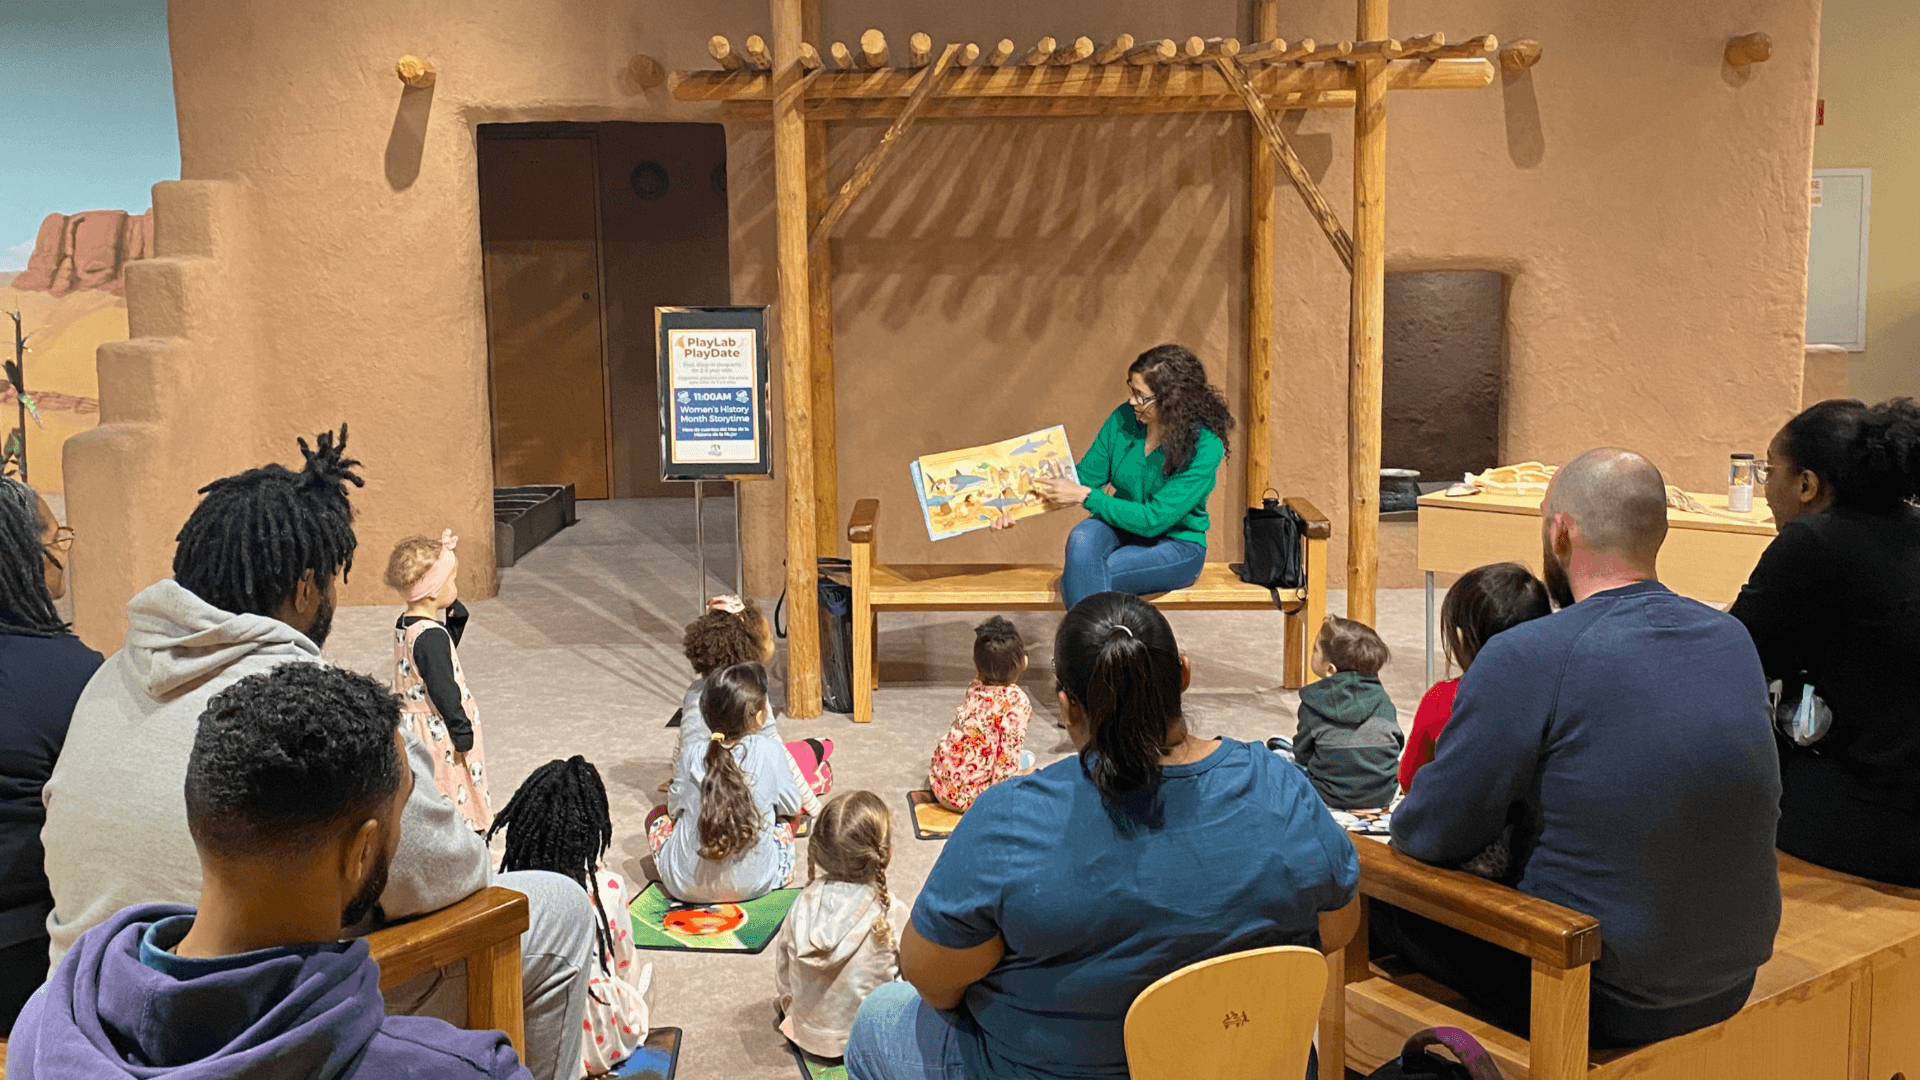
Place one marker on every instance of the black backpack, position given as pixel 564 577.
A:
pixel 1272 533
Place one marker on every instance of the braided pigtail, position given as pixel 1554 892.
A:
pixel 559 821
pixel 853 842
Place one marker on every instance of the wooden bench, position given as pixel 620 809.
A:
pixel 484 930
pixel 881 587
pixel 1839 1000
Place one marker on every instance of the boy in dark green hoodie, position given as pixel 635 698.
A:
pixel 1349 738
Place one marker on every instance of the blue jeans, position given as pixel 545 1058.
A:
pixel 1101 558
pixel 897 1036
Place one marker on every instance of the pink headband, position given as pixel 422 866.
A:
pixel 436 576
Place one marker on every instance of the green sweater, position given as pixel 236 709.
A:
pixel 1145 501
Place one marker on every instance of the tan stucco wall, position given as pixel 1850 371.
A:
pixel 1648 204
pixel 1872 90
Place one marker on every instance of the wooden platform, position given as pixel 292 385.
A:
pixel 1839 1000
pixel 879 587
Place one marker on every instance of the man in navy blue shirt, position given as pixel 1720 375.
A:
pixel 1626 739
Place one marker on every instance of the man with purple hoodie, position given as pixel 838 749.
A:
pixel 294 795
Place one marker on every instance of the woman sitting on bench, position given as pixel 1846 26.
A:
pixel 1159 453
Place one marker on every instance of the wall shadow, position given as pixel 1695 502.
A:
pixel 408 140
pixel 1526 139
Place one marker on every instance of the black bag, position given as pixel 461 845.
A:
pixel 1272 534
pixel 1416 1063
pixel 835 599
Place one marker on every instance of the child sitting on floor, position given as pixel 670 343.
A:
pixel 427 675
pixel 559 821
pixel 1485 601
pixel 840 940
pixel 984 745
pixel 735 632
pixel 726 833
pixel 1348 740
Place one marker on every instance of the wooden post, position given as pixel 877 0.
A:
pixel 919 50
pixel 826 452
pixel 1366 322
pixel 1259 437
pixel 796 334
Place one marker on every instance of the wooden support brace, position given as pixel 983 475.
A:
pixel 1332 50
pixel 1298 51
pixel 1519 56
pixel 1113 50
pixel 1384 49
pixel 809 57
pixel 1481 47
pixel 1420 44
pixel 1199 48
pixel 1262 51
pixel 1041 52
pixel 1749 49
pixel 1080 48
pixel 1000 53
pixel 873 49
pixel 758 58
pixel 722 52
pixel 869 166
pixel 919 50
pixel 1158 51
pixel 842 56
pixel 1276 141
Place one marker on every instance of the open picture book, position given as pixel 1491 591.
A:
pixel 964 490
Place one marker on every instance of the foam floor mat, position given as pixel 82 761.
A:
pixel 931 821
pixel 661 922
pixel 657 1059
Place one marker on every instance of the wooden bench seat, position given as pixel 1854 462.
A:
pixel 1839 1000
pixel 879 587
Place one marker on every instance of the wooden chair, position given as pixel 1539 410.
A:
pixel 1839 1000
pixel 484 929
pixel 881 587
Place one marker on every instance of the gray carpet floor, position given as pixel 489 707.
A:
pixel 580 654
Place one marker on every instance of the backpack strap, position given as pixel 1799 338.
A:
pixel 1479 1064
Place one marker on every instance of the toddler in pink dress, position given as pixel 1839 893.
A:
pixel 427 675
pixel 986 743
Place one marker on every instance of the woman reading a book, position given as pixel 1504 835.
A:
pixel 1145 481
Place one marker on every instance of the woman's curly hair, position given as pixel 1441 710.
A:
pixel 1187 403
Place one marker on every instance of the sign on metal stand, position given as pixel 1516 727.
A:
pixel 714 420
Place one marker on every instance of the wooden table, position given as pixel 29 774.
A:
pixel 1706 556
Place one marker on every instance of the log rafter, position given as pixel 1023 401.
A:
pixel 1276 141
pixel 869 166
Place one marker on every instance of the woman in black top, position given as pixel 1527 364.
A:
pixel 1835 604
pixel 43 668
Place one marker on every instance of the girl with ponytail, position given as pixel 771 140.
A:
pixel 1064 893
pixel 726 833
pixel 1834 610
pixel 840 940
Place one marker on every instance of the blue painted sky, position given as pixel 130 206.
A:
pixel 86 112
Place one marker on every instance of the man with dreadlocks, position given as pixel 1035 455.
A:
pixel 253 588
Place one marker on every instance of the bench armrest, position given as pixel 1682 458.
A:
pixel 860 525
pixel 474 925
pixel 1318 527
pixel 1555 936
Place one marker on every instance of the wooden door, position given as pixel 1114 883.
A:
pixel 539 239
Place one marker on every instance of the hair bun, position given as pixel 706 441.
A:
pixel 327 460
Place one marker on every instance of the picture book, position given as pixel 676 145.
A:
pixel 964 490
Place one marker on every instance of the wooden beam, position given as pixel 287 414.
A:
pixel 722 52
pixel 1474 48
pixel 948 108
pixel 645 71
pixel 809 57
pixel 1258 423
pixel 919 50
pixel 757 56
pixel 1328 50
pixel 1282 152
pixel 796 379
pixel 873 49
pixel 1383 49
pixel 968 54
pixel 1000 53
pixel 1113 50
pixel 1298 50
pixel 1159 51
pixel 1041 52
pixel 1109 80
pixel 826 446
pixel 1420 44
pixel 869 166
pixel 842 56
pixel 1520 56
pixel 1366 321
pixel 1748 49
pixel 1199 48
pixel 1073 52
pixel 1262 51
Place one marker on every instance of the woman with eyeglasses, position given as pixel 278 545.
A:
pixel 1145 481
pixel 1834 605
pixel 43 668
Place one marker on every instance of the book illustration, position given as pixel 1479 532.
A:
pixel 964 490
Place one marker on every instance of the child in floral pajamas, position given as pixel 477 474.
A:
pixel 985 744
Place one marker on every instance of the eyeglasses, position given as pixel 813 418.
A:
pixel 62 542
pixel 1760 471
pixel 1140 402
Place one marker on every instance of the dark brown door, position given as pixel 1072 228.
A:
pixel 539 225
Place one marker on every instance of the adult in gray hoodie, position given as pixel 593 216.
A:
pixel 253 585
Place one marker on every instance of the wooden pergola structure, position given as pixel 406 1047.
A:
pixel 801 86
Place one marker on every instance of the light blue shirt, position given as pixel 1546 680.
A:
pixel 745 874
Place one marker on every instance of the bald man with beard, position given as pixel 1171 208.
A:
pixel 1626 740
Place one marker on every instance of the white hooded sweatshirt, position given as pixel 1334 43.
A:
pixel 116 831
pixel 827 960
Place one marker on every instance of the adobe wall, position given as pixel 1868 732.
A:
pixel 1648 204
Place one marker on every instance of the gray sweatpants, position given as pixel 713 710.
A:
pixel 556 957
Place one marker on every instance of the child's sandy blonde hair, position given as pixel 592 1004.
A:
pixel 853 841
pixel 410 559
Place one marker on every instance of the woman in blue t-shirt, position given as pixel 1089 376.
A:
pixel 1159 452
pixel 1063 894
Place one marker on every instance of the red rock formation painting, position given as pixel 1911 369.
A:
pixel 86 251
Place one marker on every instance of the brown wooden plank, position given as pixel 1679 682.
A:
pixel 977 586
pixel 1506 917
pixel 412 949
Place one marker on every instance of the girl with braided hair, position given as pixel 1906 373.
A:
pixel 726 833
pixel 841 939
pixel 1159 453
pixel 559 822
